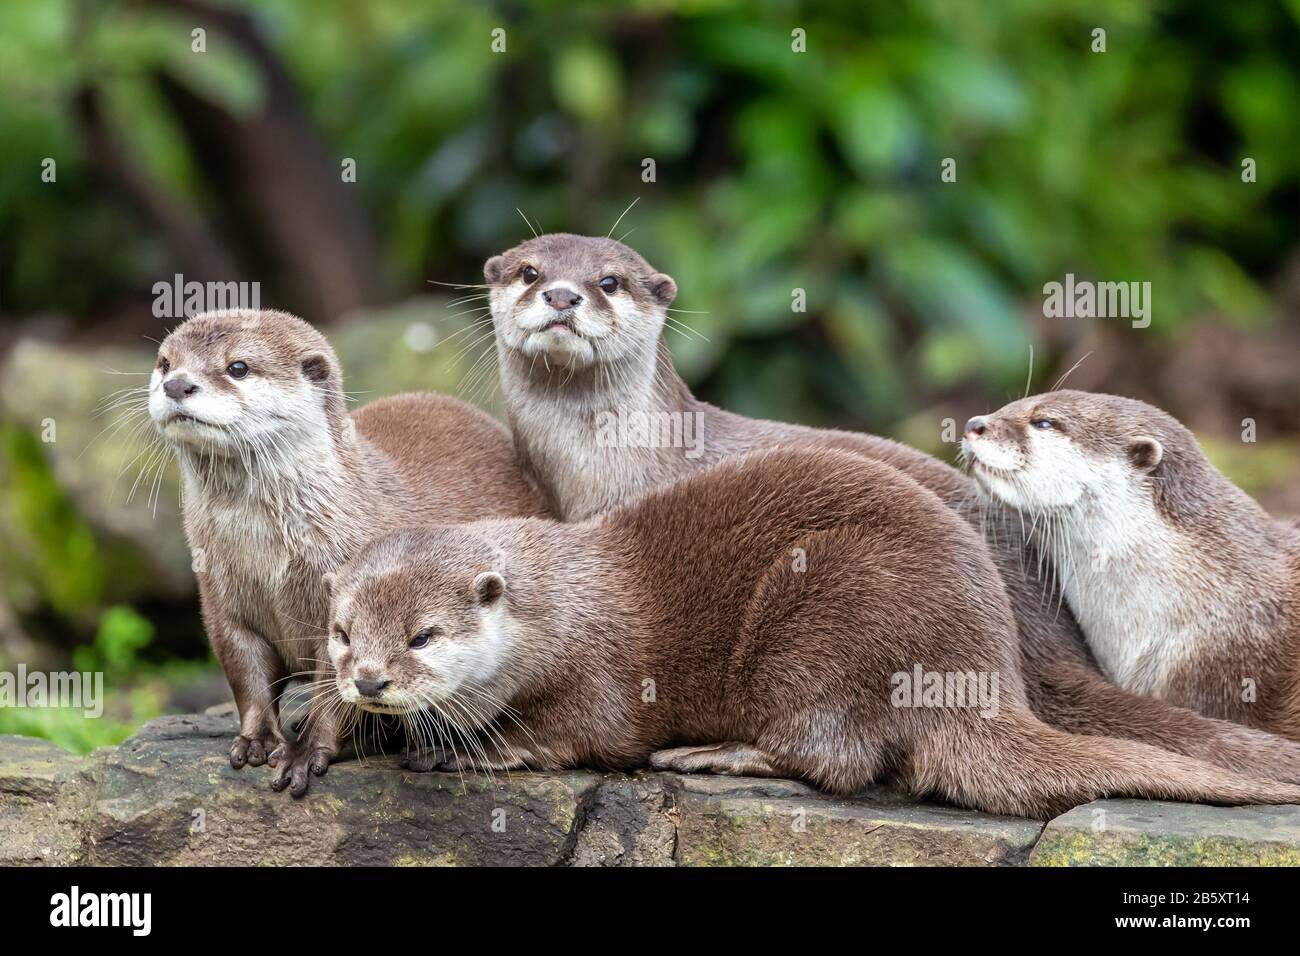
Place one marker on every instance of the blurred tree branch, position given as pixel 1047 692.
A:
pixel 194 248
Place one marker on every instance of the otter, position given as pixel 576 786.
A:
pixel 280 485
pixel 765 617
pixel 1185 588
pixel 600 417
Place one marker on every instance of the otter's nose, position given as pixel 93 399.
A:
pixel 178 387
pixel 976 427
pixel 561 299
pixel 370 688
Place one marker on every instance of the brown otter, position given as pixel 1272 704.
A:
pixel 800 613
pixel 1185 588
pixel 281 485
pixel 600 416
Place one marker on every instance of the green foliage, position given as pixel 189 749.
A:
pixel 52 562
pixel 135 690
pixel 122 634
pixel 48 549
pixel 775 169
pixel 69 727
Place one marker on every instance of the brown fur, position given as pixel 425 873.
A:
pixel 268 514
pixel 554 407
pixel 771 601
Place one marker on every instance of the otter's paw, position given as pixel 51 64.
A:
pixel 298 767
pixel 457 764
pixel 733 759
pixel 467 764
pixel 255 751
pixel 422 760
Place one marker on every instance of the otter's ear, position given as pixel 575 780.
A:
pixel 494 270
pixel 316 367
pixel 663 288
pixel 488 588
pixel 1145 452
pixel 328 580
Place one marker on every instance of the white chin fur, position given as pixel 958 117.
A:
pixel 398 703
pixel 195 433
pixel 199 436
pixel 377 707
pixel 998 488
pixel 560 347
pixel 993 455
pixel 1052 477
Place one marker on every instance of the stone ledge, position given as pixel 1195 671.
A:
pixel 1157 833
pixel 168 796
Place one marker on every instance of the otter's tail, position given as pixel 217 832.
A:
pixel 1019 765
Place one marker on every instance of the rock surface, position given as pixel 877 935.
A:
pixel 168 796
pixel 45 799
pixel 1155 833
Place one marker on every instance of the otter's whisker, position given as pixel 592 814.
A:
pixel 1061 381
pixel 526 222
pixel 459 285
pixel 621 215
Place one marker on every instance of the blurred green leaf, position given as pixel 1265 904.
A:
pixel 587 82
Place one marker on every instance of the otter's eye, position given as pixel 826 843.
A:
pixel 609 285
pixel 528 274
pixel 422 639
pixel 1042 423
pixel 342 635
pixel 237 369
pixel 164 366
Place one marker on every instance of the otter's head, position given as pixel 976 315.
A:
pixel 577 300
pixel 228 381
pixel 1065 450
pixel 418 619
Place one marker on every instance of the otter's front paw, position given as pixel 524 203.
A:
pixel 297 768
pixel 255 751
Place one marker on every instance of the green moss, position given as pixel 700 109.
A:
pixel 1076 848
pixel 448 858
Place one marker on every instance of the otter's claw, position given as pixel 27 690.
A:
pixel 297 768
pixel 255 751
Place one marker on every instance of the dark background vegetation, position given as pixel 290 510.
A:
pixel 775 170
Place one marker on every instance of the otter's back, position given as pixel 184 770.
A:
pixel 759 434
pixel 457 461
pixel 709 539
